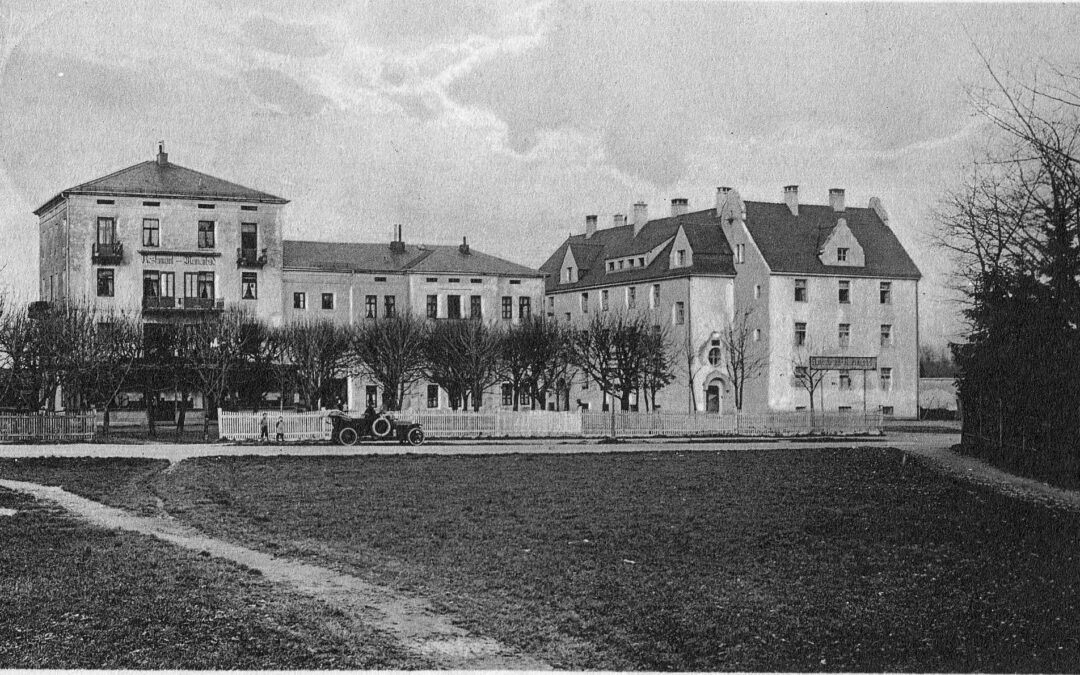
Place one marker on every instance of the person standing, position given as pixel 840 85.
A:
pixel 264 429
pixel 280 438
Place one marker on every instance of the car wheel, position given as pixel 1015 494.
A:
pixel 381 427
pixel 415 436
pixel 348 436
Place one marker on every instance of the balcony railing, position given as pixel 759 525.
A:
pixel 250 257
pixel 204 304
pixel 108 254
pixel 171 304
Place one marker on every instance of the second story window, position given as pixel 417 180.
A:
pixel 249 285
pixel 800 334
pixel 524 307
pixel 206 234
pixel 249 236
pixel 507 307
pixel 631 297
pixel 199 285
pixel 603 300
pixel 105 283
pixel 432 306
pixel 885 291
pixel 841 255
pixel 151 232
pixel 845 379
pixel 800 290
pixel 299 300
pixel 886 379
pixel 584 303
pixel 151 284
pixel 845 292
pixel 475 307
pixel 680 313
pixel 389 305
pixel 327 300
pixel 371 306
pixel 886 335
pixel 654 298
pixel 844 335
pixel 106 230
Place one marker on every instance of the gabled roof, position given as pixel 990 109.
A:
pixel 712 254
pixel 790 244
pixel 367 257
pixel 165 180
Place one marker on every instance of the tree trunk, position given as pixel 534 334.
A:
pixel 151 426
pixel 181 416
pixel 105 422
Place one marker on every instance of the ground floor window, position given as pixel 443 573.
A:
pixel 299 300
pixel 249 285
pixel 371 396
pixel 507 394
pixel 105 283
pixel 433 396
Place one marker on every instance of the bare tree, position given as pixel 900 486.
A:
pixel 116 343
pixel 805 376
pixel 213 353
pixel 659 363
pixel 745 357
pixel 391 351
pixel 534 356
pixel 462 357
pixel 614 350
pixel 319 352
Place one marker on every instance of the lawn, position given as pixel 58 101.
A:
pixel 810 560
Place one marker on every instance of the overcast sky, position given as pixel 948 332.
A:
pixel 508 122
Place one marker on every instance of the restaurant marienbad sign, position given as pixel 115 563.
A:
pixel 843 363
pixel 179 258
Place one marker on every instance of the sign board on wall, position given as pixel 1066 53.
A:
pixel 843 363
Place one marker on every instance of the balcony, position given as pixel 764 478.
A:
pixel 250 257
pixel 170 304
pixel 108 254
pixel 204 304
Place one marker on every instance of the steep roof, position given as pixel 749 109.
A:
pixel 712 254
pixel 790 244
pixel 167 180
pixel 426 259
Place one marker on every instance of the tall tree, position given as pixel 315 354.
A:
pixel 807 377
pixel 116 344
pixel 462 357
pixel 745 357
pixel 213 353
pixel 319 353
pixel 391 351
pixel 614 350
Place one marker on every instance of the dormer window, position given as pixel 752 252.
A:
pixel 841 255
pixel 641 262
pixel 569 278
pixel 621 263
pixel 680 258
pixel 611 266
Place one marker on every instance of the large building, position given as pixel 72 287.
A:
pixel 175 244
pixel 817 280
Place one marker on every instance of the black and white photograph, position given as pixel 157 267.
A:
pixel 539 335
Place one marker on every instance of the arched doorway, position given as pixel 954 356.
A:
pixel 714 396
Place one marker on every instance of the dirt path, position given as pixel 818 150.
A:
pixel 412 621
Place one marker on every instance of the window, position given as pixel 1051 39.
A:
pixel 151 284
pixel 800 333
pixel 383 279
pixel 800 290
pixel 433 396
pixel 524 307
pixel 249 236
pixel 631 297
pixel 433 307
pixel 844 408
pixel 151 232
pixel 757 335
pixel 841 255
pixel 475 281
pixel 168 284
pixel 371 306
pixel 475 307
pixel 845 292
pixel 887 410
pixel 641 262
pixel 886 335
pixel 523 399
pixel 206 206
pixel 680 258
pixel 246 207
pixel 451 280
pixel 569 276
pixel 198 285
pixel 622 263
pixel 507 394
pixel 757 291
pixel 802 373
pixel 714 355
pixel 885 291
pixel 328 300
pixel 105 287
pixel 249 285
pixel 453 306
pixel 206 234
pixel 371 396
pixel 106 201
pixel 151 203
pixel 886 379
pixel 584 303
pixel 611 266
pixel 508 307
pixel 604 300
pixel 740 253
pixel 845 334
pixel 515 282
pixel 845 379
pixel 550 310
pixel 654 301
pixel 389 305
pixel 106 230
pixel 680 313
pixel 299 300
pixel 432 280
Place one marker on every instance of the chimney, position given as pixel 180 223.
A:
pixel 398 244
pixel 619 220
pixel 641 216
pixel 464 248
pixel 590 226
pixel 836 199
pixel 721 197
pixel 791 198
pixel 162 156
pixel 679 206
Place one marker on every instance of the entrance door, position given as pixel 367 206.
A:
pixel 712 398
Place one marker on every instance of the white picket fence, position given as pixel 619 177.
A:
pixel 247 426
pixel 47 426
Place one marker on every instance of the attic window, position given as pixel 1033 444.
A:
pixel 380 278
pixel 206 206
pixel 455 281
pixel 611 266
pixel 641 262
pixel 432 280
pixel 106 201
pixel 475 281
pixel 151 203
pixel 680 257
pixel 514 282
pixel 245 207
pixel 841 255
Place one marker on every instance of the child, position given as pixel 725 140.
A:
pixel 280 429
pixel 264 429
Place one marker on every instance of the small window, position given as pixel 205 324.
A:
pixel 641 262
pixel 524 307
pixel 371 396
pixel 757 291
pixel 151 232
pixel 567 316
pixel 887 410
pixel 507 307
pixel 299 300
pixel 886 335
pixel 845 379
pixel 105 283
pixel 841 255
pixel 584 303
pixel 844 335
pixel 885 290
pixel 248 207
pixel 622 264
pixel 886 379
pixel 371 306
pixel 106 201
pixel 654 300
pixel 475 307
pixel 845 292
pixel 327 300
pixel 800 333
pixel 714 356
pixel 680 313
pixel 249 285
pixel 206 206
pixel 800 290
pixel 604 300
pixel 433 307
pixel 757 335
pixel 382 279
pixel 844 408
pixel 151 203
pixel 740 253
pixel 568 277
pixel 515 282
pixel 451 280
pixel 475 281
pixel 631 297
pixel 611 266
pixel 433 396
pixel 389 305
pixel 680 258
pixel 432 280
pixel 507 394
pixel 206 234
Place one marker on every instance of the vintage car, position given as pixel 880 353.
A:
pixel 349 430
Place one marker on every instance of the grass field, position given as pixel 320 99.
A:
pixel 76 596
pixel 808 560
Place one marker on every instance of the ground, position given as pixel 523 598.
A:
pixel 690 556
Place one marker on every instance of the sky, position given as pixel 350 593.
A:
pixel 508 122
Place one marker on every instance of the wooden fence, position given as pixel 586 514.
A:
pixel 499 423
pixel 47 426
